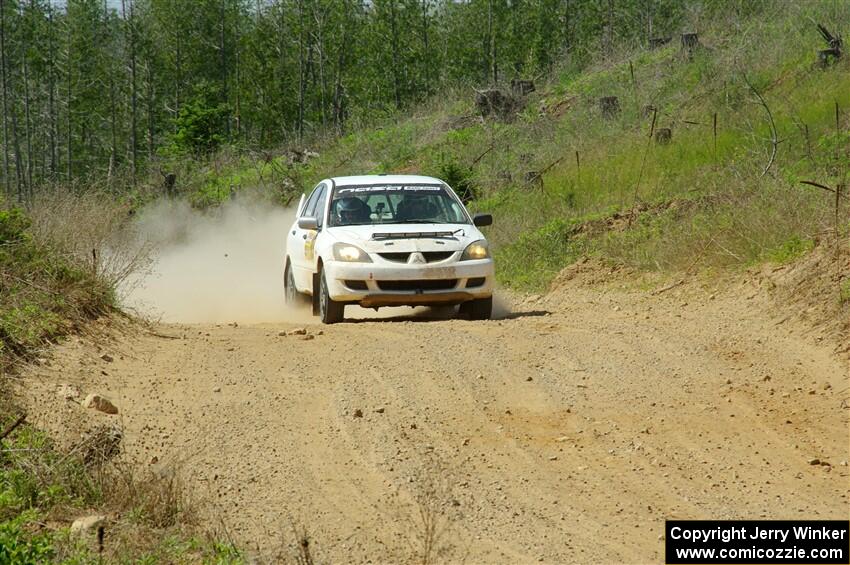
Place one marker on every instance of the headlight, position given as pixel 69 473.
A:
pixel 350 253
pixel 475 250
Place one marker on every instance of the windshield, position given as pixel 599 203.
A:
pixel 394 204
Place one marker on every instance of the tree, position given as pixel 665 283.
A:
pixel 201 125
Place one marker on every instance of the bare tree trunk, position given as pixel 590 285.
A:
pixel 222 48
pixel 236 94
pixel 281 51
pixel 491 40
pixel 394 33
pixel 320 44
pixel 16 147
pixel 338 112
pixel 6 187
pixel 426 56
pixel 133 92
pixel 649 17
pixel 27 129
pixel 51 86
pixel 301 71
pixel 178 86
pixel 70 152
pixel 150 108
pixel 113 152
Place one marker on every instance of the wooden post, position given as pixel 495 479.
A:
pixel 715 139
pixel 578 168
pixel 690 43
pixel 808 143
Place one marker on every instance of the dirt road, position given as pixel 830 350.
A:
pixel 566 432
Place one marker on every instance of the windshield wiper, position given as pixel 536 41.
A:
pixel 416 222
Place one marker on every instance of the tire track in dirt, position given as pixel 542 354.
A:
pixel 566 432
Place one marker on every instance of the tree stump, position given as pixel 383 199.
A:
pixel 494 102
pixel 656 42
pixel 610 106
pixel 663 136
pixel 690 43
pixel 521 87
pixel 169 181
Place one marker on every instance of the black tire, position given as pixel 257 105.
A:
pixel 330 311
pixel 478 309
pixel 290 292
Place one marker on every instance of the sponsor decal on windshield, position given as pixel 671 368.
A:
pixel 385 188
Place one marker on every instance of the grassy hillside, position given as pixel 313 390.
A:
pixel 51 286
pixel 43 294
pixel 701 201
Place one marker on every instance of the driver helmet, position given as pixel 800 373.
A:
pixel 418 206
pixel 352 210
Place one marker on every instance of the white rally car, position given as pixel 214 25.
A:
pixel 387 240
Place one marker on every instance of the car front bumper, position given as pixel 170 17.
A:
pixel 375 284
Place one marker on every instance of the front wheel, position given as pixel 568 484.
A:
pixel 330 311
pixel 478 309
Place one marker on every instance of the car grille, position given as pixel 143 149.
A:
pixel 475 282
pixel 430 256
pixel 421 285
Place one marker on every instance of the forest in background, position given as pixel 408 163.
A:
pixel 103 90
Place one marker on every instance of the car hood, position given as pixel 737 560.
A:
pixel 407 237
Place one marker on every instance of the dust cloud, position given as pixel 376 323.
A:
pixel 226 265
pixel 215 267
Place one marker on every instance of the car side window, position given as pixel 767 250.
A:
pixel 321 201
pixel 310 206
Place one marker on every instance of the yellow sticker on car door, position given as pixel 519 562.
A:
pixel 310 245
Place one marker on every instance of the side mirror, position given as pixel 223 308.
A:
pixel 481 220
pixel 307 223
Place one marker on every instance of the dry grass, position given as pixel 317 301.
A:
pixel 149 514
pixel 94 230
pixel 432 520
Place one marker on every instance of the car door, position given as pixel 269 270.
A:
pixel 301 244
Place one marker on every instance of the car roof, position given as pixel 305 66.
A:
pixel 360 180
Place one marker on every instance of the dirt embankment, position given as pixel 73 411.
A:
pixel 565 432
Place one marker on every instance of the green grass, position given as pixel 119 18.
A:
pixel 554 245
pixel 734 215
pixel 40 483
pixel 789 250
pixel 844 292
pixel 43 294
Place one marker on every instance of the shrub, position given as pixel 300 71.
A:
pixel 459 178
pixel 43 293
